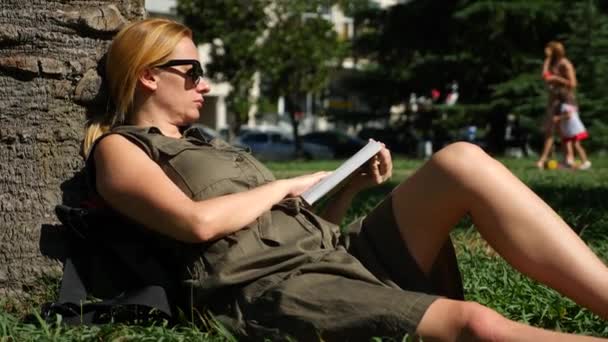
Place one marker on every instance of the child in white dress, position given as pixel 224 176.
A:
pixel 573 132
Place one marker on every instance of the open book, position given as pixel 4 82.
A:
pixel 328 183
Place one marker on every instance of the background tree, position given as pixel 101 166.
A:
pixel 235 30
pixel 587 46
pixel 353 7
pixel 423 45
pixel 49 54
pixel 494 49
pixel 503 72
pixel 301 52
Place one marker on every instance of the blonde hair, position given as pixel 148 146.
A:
pixel 557 49
pixel 136 47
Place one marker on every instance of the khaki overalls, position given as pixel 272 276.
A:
pixel 290 271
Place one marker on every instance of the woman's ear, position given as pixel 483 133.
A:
pixel 148 80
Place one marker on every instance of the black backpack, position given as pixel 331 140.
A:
pixel 114 271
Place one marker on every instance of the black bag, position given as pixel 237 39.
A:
pixel 131 275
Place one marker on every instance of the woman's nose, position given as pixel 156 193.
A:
pixel 203 87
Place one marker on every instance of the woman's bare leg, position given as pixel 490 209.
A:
pixel 450 320
pixel 549 127
pixel 547 146
pixel 462 179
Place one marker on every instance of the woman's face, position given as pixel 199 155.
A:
pixel 177 93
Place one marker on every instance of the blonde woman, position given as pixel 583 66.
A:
pixel 255 253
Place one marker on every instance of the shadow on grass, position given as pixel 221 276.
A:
pixel 368 199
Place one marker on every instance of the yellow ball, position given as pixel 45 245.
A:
pixel 552 164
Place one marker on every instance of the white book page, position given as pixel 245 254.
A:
pixel 317 191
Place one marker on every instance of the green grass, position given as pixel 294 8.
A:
pixel 579 197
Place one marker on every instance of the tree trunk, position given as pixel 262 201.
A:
pixel 49 82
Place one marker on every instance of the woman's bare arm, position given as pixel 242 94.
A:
pixel 546 65
pixel 130 182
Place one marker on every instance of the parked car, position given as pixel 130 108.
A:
pixel 402 140
pixel 342 145
pixel 275 146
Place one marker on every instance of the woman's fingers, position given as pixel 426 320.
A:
pixel 376 173
pixel 380 167
pixel 386 163
pixel 383 165
pixel 302 183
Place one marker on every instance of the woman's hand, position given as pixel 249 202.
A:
pixel 298 185
pixel 377 170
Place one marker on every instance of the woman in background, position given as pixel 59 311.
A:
pixel 560 77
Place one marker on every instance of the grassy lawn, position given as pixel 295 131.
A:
pixel 577 197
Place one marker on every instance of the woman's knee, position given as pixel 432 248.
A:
pixel 460 157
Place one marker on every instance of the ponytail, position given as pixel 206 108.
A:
pixel 94 129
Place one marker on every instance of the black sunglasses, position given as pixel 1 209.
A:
pixel 195 73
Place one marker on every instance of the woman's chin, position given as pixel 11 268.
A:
pixel 190 119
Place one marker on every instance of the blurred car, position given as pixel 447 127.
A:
pixel 276 146
pixel 342 145
pixel 402 140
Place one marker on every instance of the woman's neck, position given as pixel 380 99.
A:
pixel 145 119
pixel 147 114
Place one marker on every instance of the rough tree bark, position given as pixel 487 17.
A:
pixel 49 81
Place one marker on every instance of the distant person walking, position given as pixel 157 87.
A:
pixel 560 78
